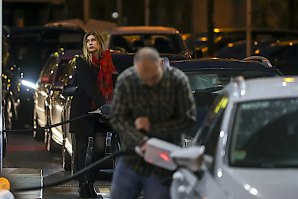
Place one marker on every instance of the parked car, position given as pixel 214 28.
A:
pixel 208 76
pixel 52 102
pixel 224 36
pixel 48 79
pixel 166 40
pixel 282 54
pixel 25 51
pixel 250 138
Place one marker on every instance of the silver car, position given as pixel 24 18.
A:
pixel 251 142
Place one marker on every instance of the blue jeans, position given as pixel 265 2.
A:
pixel 127 184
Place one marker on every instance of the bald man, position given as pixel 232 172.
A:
pixel 156 99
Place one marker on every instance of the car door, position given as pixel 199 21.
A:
pixel 57 102
pixel 208 185
pixel 41 95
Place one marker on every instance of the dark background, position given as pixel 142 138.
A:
pixel 188 16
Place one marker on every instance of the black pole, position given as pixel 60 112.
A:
pixel 210 27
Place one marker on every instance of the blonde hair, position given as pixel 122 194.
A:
pixel 100 41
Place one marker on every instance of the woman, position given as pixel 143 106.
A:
pixel 95 86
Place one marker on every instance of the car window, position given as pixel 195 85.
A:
pixel 62 75
pixel 49 70
pixel 164 43
pixel 265 134
pixel 208 79
pixel 210 130
pixel 70 76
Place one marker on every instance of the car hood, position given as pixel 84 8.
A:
pixel 260 183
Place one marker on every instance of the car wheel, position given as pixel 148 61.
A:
pixel 38 134
pixel 66 159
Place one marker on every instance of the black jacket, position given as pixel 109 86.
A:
pixel 87 92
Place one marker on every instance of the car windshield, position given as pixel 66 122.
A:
pixel 211 81
pixel 265 134
pixel 164 43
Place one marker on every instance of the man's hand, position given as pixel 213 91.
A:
pixel 143 123
pixel 141 149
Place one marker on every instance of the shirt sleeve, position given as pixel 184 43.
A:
pixel 121 120
pixel 85 82
pixel 185 115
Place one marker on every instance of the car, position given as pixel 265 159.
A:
pixel 25 50
pixel 223 36
pixel 250 137
pixel 208 76
pixel 48 80
pixel 281 53
pixel 167 40
pixel 53 99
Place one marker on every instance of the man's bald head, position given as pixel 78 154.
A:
pixel 148 66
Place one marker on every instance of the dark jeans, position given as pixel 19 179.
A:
pixel 127 184
pixel 81 146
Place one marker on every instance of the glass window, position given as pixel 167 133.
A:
pixel 265 134
pixel 210 130
pixel 215 80
pixel 62 75
pixel 49 70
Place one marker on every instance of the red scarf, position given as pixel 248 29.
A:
pixel 104 78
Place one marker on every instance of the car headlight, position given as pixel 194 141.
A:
pixel 29 84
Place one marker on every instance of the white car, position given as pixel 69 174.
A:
pixel 251 141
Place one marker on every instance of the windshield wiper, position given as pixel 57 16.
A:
pixel 210 89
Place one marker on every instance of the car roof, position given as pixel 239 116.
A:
pixel 144 30
pixel 262 88
pixel 220 64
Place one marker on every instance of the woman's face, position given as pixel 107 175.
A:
pixel 92 44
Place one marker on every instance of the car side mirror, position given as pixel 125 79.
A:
pixel 190 157
pixel 69 90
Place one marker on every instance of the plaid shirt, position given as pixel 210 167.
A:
pixel 169 105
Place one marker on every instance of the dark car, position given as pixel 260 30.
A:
pixel 25 52
pixel 208 77
pixel 224 36
pixel 282 54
